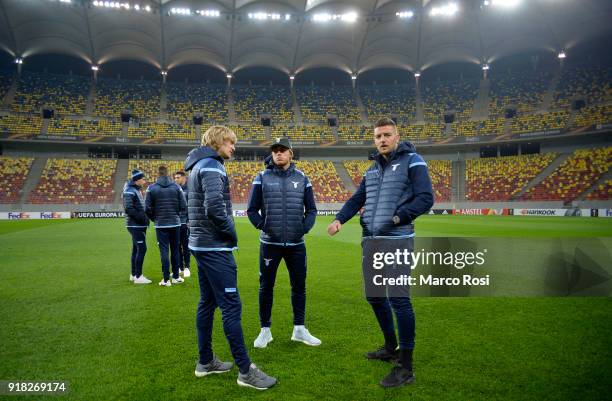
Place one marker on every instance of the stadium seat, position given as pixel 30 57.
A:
pixel 185 100
pixel 316 102
pixel 593 115
pixel 556 120
pixel 308 133
pixel 441 96
pixel 13 173
pixel 385 100
pixel 114 96
pixel 253 101
pixel 20 124
pixel 75 181
pixel 66 94
pixel 524 90
pixel 500 178
pixel 590 83
pixel 84 128
pixel 574 176
pixel 601 192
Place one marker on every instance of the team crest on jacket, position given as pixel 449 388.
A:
pixel 295 184
pixel 267 261
pixel 395 166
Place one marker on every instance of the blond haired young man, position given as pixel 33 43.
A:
pixel 212 239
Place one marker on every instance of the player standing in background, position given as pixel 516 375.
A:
pixel 394 191
pixel 212 238
pixel 164 204
pixel 137 223
pixel 180 178
pixel 282 206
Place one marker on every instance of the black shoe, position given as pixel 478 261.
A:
pixel 397 377
pixel 383 354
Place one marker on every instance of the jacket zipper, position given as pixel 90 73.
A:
pixel 284 197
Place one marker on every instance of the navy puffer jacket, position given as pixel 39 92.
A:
pixel 282 205
pixel 398 187
pixel 164 203
pixel 211 224
pixel 133 204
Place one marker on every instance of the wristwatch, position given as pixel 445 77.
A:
pixel 396 220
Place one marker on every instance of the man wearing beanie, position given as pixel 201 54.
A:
pixel 282 206
pixel 136 222
pixel 164 204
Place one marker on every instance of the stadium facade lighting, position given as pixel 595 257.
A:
pixel 485 67
pixel 502 3
pixel 164 72
pixel 95 68
pixel 18 60
pixel 354 77
pixel 404 14
pixel 228 76
pixel 561 55
pixel 180 11
pixel 447 10
pixel 417 74
pixel 209 13
pixel 120 5
pixel 292 77
pixel 349 17
pixel 262 16
pixel 287 17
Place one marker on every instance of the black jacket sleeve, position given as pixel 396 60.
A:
pixel 182 201
pixel 150 205
pixel 310 208
pixel 352 206
pixel 214 204
pixel 255 204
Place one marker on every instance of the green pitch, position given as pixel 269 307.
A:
pixel 69 313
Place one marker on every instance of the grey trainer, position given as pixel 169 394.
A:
pixel 214 366
pixel 255 378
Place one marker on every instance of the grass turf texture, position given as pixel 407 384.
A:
pixel 69 313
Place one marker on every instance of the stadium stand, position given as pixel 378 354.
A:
pixel 160 130
pixel 590 83
pixel 385 100
pixel 66 94
pixel 13 173
pixel 354 133
pixel 592 115
pixel 573 177
pixel 20 124
pixel 6 78
pixel 440 172
pixel 602 192
pixel 316 102
pixel 326 182
pixel 500 178
pixel 185 100
pixel 84 128
pixel 113 96
pixel 441 96
pixel 249 133
pixel 309 133
pixel 252 101
pixel 555 120
pixel 523 89
pixel 75 181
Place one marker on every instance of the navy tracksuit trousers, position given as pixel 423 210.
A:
pixel 184 252
pixel 168 240
pixel 139 249
pixel 269 259
pixel 217 274
pixel 384 307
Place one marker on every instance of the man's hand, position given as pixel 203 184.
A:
pixel 334 227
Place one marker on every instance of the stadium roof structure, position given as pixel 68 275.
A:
pixel 285 36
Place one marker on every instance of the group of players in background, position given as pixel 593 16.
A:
pixel 193 214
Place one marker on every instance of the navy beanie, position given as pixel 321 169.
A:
pixel 137 175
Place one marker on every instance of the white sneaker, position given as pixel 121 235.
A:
pixel 186 273
pixel 142 280
pixel 177 280
pixel 165 283
pixel 131 278
pixel 301 334
pixel 264 338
